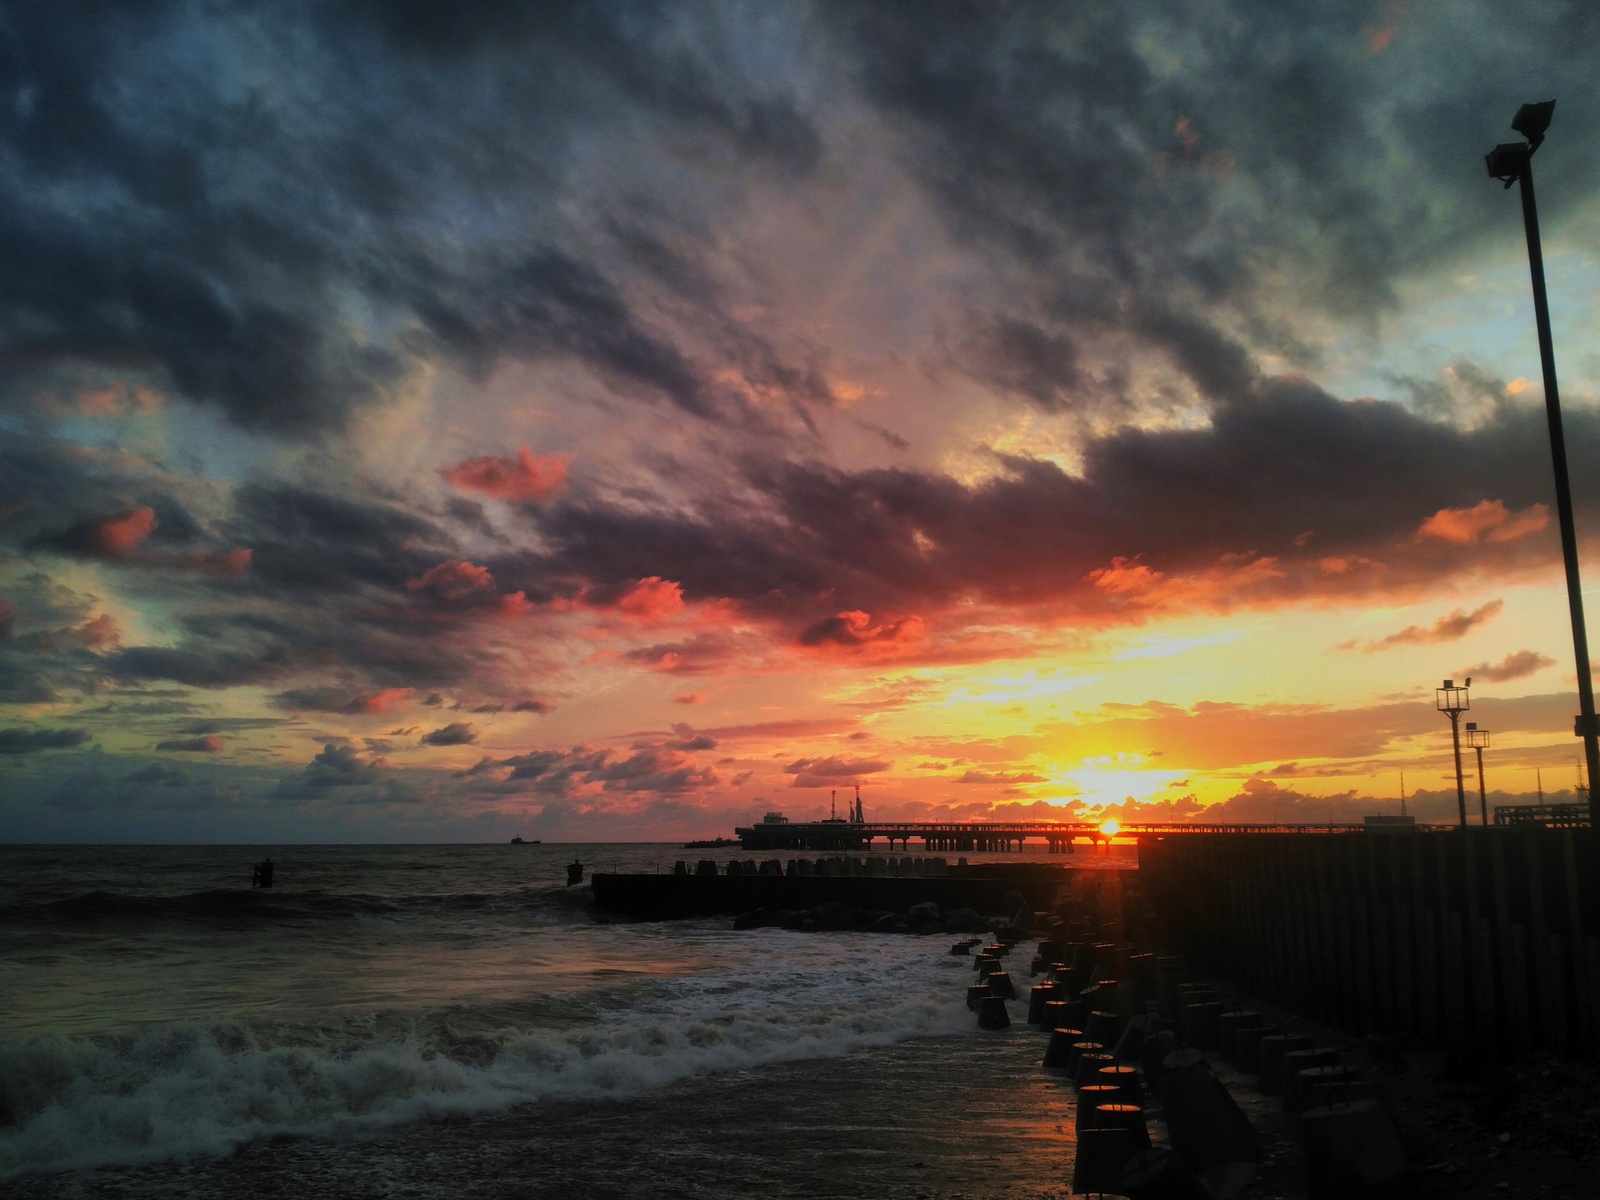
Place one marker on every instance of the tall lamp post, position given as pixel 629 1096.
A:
pixel 1478 739
pixel 1452 701
pixel 1512 162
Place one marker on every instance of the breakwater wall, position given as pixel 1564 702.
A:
pixel 692 893
pixel 1472 937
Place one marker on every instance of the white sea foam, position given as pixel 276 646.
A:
pixel 77 1102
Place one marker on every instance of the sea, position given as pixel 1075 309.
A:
pixel 456 1021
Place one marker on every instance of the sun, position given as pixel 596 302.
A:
pixel 1110 827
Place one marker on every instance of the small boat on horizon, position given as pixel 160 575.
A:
pixel 516 841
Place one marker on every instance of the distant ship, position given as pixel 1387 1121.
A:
pixel 711 844
pixel 521 842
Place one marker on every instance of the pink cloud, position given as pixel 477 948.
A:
pixel 689 698
pixel 227 565
pixel 208 744
pixel 528 476
pixel 380 702
pixel 453 580
pixel 116 535
pixel 460 585
pixel 102 631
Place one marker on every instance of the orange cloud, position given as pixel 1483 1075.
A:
pixel 1518 665
pixel 1486 521
pixel 116 535
pixel 689 698
pixel 652 599
pixel 528 476
pixel 1446 629
pixel 1129 583
pixel 855 629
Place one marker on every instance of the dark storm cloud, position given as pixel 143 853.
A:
pixel 31 741
pixel 1289 493
pixel 289 249
pixel 212 667
pixel 457 733
pixel 1145 167
pixel 337 767
pixel 321 541
pixel 660 769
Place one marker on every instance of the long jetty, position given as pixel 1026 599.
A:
pixel 984 836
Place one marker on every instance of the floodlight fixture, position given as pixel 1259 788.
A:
pixel 1508 161
pixel 1478 739
pixel 1532 120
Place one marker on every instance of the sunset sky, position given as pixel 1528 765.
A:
pixel 612 421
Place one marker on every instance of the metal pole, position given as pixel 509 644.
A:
pixel 1587 728
pixel 1483 799
pixel 1455 739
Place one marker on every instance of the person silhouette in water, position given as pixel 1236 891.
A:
pixel 261 874
pixel 574 873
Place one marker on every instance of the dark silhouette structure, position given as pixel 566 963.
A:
pixel 1452 701
pixel 1512 162
pixel 574 873
pixel 261 874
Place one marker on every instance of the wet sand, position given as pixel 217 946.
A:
pixel 970 1115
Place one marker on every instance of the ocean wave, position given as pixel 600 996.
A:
pixel 263 905
pixel 75 1103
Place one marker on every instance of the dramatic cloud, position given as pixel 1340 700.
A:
pixel 1215 518
pixel 367 363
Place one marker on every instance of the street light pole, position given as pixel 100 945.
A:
pixel 1513 162
pixel 1478 739
pixel 1452 701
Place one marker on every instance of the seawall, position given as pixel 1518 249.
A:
pixel 1473 937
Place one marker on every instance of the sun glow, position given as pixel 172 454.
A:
pixel 1111 827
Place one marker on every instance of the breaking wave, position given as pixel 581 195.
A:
pixel 75 1103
